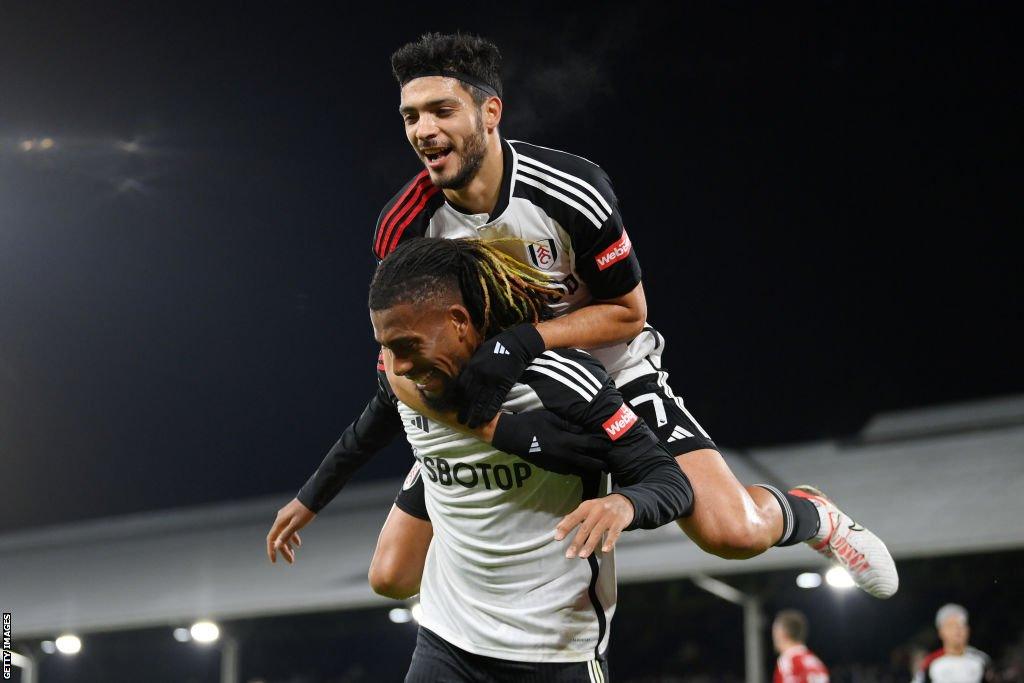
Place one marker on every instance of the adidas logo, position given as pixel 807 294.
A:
pixel 421 423
pixel 500 349
pixel 679 433
pixel 535 446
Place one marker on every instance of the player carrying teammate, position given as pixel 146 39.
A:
pixel 478 184
pixel 503 597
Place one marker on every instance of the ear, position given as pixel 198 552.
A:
pixel 491 111
pixel 460 318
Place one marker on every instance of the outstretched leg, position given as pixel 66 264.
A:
pixel 728 519
pixel 736 521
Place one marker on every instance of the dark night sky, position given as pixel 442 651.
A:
pixel 822 197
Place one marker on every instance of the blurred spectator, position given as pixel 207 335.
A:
pixel 955 661
pixel 796 664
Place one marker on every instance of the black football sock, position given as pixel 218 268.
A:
pixel 800 520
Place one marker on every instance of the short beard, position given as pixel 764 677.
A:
pixel 472 159
pixel 448 401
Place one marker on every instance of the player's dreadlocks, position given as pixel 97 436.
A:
pixel 498 291
pixel 474 60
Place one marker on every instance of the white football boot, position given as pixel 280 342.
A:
pixel 853 547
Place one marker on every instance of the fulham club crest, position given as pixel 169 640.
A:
pixel 543 253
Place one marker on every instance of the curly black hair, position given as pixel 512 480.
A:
pixel 471 55
pixel 498 291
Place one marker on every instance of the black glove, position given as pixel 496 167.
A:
pixel 494 368
pixel 546 440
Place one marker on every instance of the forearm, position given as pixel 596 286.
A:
pixel 598 324
pixel 373 430
pixel 337 467
pixel 658 490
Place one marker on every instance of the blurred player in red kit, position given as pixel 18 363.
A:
pixel 796 664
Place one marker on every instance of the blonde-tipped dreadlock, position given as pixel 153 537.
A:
pixel 498 291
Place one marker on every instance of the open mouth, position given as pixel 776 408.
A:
pixel 436 156
pixel 425 381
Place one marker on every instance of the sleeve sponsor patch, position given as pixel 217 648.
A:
pixel 620 423
pixel 410 479
pixel 616 252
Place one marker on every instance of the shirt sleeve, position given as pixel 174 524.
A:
pixel 605 258
pixel 374 429
pixel 573 385
pixel 406 215
pixel 411 498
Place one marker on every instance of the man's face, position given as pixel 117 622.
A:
pixel 431 343
pixel 954 632
pixel 445 128
pixel 779 639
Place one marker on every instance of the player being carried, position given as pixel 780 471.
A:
pixel 562 208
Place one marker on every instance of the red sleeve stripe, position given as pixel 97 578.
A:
pixel 927 662
pixel 408 219
pixel 415 187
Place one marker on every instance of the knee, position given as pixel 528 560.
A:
pixel 388 579
pixel 743 534
pixel 733 541
pixel 727 521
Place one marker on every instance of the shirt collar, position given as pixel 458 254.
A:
pixel 793 650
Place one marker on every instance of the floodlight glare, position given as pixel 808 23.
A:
pixel 27 145
pixel 48 647
pixel 68 644
pixel 46 143
pixel 837 577
pixel 182 635
pixel 417 612
pixel 808 580
pixel 400 615
pixel 204 632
